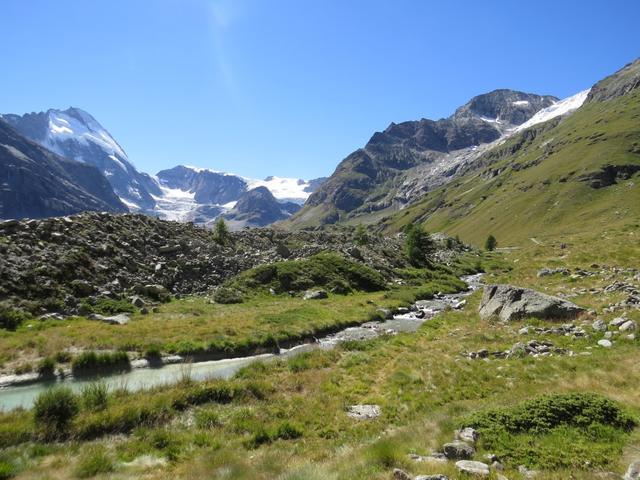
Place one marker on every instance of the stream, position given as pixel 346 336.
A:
pixel 407 320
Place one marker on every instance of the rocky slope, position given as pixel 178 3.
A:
pixel 550 178
pixel 76 135
pixel 400 164
pixel 47 264
pixel 35 182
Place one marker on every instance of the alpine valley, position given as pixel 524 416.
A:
pixel 460 299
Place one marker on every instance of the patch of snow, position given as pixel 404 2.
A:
pixel 290 189
pixel 229 205
pixel 130 205
pixel 559 108
pixel 118 162
pixel 490 120
pixel 520 103
pixel 64 126
pixel 200 170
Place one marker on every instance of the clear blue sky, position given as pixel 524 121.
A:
pixel 290 87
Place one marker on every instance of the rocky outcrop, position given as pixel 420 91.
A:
pixel 620 83
pixel 258 207
pixel 508 303
pixel 99 255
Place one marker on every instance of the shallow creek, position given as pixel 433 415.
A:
pixel 142 378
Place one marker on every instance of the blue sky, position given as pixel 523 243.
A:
pixel 290 87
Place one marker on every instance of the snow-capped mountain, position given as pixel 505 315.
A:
pixel 76 135
pixel 201 195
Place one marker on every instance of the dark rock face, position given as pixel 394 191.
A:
pixel 35 182
pixel 258 207
pixel 620 83
pixel 76 135
pixel 208 186
pixel 508 303
pixel 609 175
pixel 368 180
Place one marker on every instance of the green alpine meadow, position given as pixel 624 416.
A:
pixel 205 291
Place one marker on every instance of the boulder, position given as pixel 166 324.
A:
pixel 599 325
pixel 438 476
pixel 469 434
pixel 628 326
pixel 120 319
pixel 473 468
pixel 364 412
pixel 315 295
pixel 633 471
pixel 458 450
pixel 400 475
pixel 137 302
pixel 508 303
pixel 605 343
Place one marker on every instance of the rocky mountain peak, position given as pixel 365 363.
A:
pixel 504 107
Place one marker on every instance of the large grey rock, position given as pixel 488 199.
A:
pixel 315 295
pixel 401 475
pixel 633 471
pixel 364 412
pixel 599 325
pixel 458 450
pixel 438 476
pixel 629 325
pixel 120 319
pixel 467 434
pixel 473 468
pixel 605 343
pixel 508 302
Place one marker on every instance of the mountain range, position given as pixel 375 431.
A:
pixel 75 139
pixel 59 162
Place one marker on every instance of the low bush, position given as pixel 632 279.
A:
pixel 94 363
pixel 47 367
pixel 95 396
pixel 228 296
pixel 53 411
pixel 7 470
pixel 11 319
pixel 555 431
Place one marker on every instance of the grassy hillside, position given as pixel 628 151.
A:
pixel 543 181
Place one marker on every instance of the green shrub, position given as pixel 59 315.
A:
pixel 384 453
pixel 94 462
pixel 94 363
pixel 287 431
pixel 53 411
pixel 555 431
pixel 221 232
pixel 11 319
pixel 95 396
pixel 153 352
pixel 47 367
pixel 110 306
pixel 547 412
pixel 7 470
pixel 228 296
